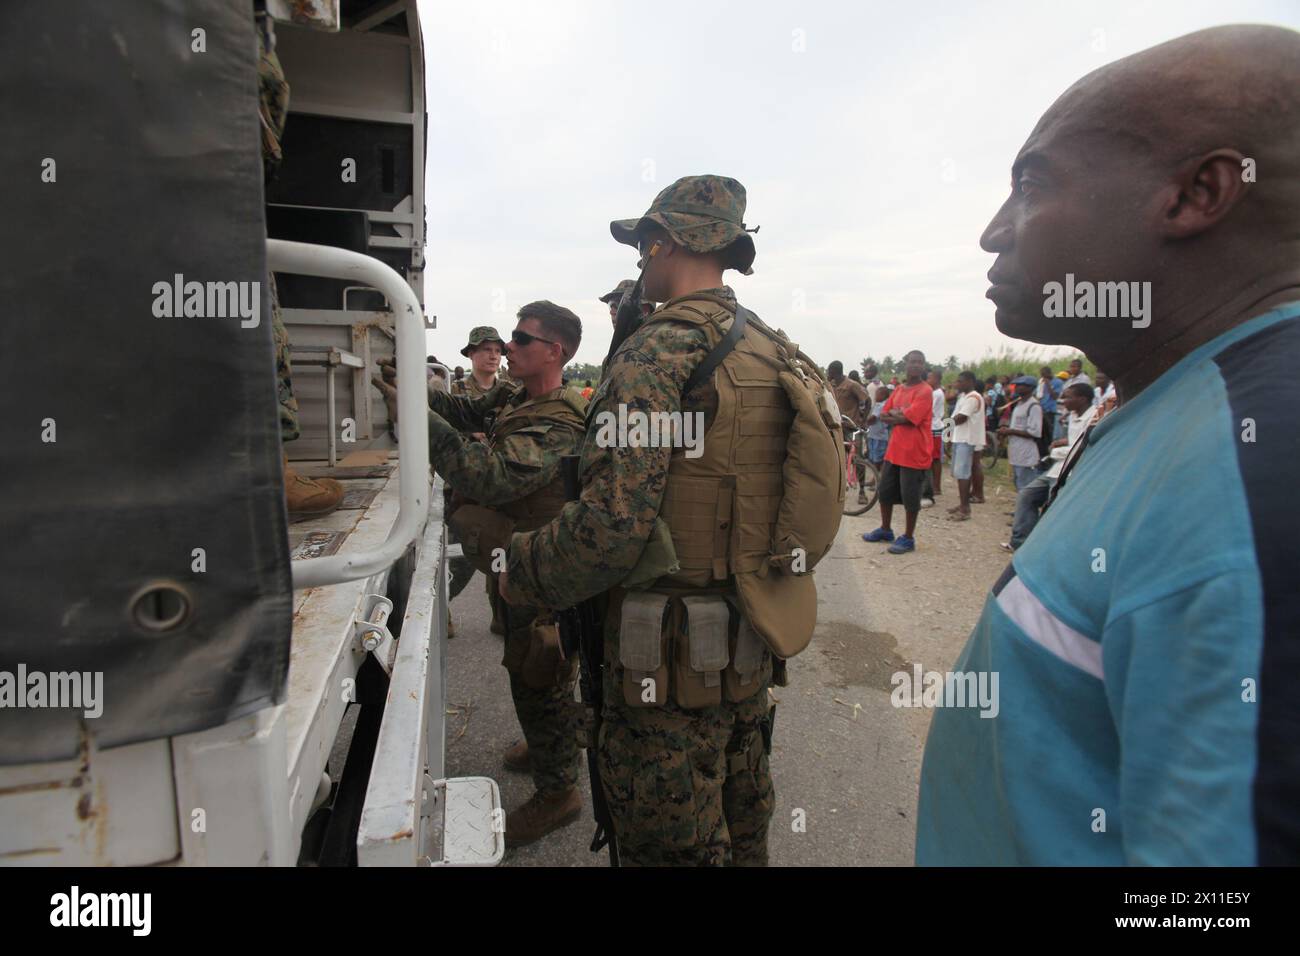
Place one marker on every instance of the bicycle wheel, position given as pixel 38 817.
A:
pixel 861 494
pixel 991 450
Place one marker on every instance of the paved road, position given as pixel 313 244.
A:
pixel 842 753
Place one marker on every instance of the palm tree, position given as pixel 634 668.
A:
pixel 951 363
pixel 886 366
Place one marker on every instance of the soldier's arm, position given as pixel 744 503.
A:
pixel 518 465
pixel 464 413
pixel 596 541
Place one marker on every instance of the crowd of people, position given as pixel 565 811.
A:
pixel 1129 652
pixel 902 427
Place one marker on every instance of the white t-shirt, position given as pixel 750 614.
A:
pixel 1078 424
pixel 971 431
pixel 936 411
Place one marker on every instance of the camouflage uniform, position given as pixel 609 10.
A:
pixel 461 568
pixel 686 787
pixel 468 387
pixel 273 109
pixel 496 474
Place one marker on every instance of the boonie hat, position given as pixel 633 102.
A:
pixel 479 335
pixel 702 213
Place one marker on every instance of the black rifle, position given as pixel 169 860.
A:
pixel 629 312
pixel 580 634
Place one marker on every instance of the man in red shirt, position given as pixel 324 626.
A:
pixel 909 455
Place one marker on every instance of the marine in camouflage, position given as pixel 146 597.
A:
pixel 493 475
pixel 671 792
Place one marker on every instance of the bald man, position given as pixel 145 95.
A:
pixel 1146 637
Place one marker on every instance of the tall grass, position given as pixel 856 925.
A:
pixel 1004 361
pixel 1028 360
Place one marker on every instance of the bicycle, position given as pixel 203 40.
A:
pixel 861 477
pixel 993 449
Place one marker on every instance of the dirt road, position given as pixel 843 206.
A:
pixel 845 762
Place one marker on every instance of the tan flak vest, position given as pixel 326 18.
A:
pixel 563 408
pixel 481 529
pixel 762 504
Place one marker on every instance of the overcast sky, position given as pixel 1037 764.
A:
pixel 874 140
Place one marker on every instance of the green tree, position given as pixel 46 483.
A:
pixel 887 366
pixel 580 372
pixel 951 363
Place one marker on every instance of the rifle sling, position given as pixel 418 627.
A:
pixel 720 351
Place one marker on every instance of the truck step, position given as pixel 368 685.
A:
pixel 473 828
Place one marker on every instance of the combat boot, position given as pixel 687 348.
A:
pixel 517 758
pixel 310 496
pixel 542 814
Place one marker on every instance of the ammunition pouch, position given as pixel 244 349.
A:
pixel 696 650
pixel 544 664
pixel 743 678
pixel 481 531
pixel 533 655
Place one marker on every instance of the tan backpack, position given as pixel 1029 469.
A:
pixel 763 502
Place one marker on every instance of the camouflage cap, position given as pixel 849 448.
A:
pixel 702 213
pixel 479 335
pixel 616 294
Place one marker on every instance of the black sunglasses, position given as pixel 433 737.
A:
pixel 522 338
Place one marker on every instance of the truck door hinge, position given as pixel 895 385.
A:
pixel 371 629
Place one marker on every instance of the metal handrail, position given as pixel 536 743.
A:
pixel 328 262
pixel 446 377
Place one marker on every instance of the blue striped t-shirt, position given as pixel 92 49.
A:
pixel 1146 639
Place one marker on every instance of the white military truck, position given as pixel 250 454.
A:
pixel 269 691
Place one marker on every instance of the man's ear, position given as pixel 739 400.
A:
pixel 1208 187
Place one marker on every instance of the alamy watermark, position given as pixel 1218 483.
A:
pixel 208 300
pixel 951 689
pixel 130 910
pixel 75 690
pixel 1098 300
pixel 638 429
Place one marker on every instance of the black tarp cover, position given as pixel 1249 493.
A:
pixel 167 435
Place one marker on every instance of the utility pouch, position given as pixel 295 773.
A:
pixel 742 678
pixel 515 652
pixel 643 649
pixel 701 651
pixel 481 531
pixel 543 665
